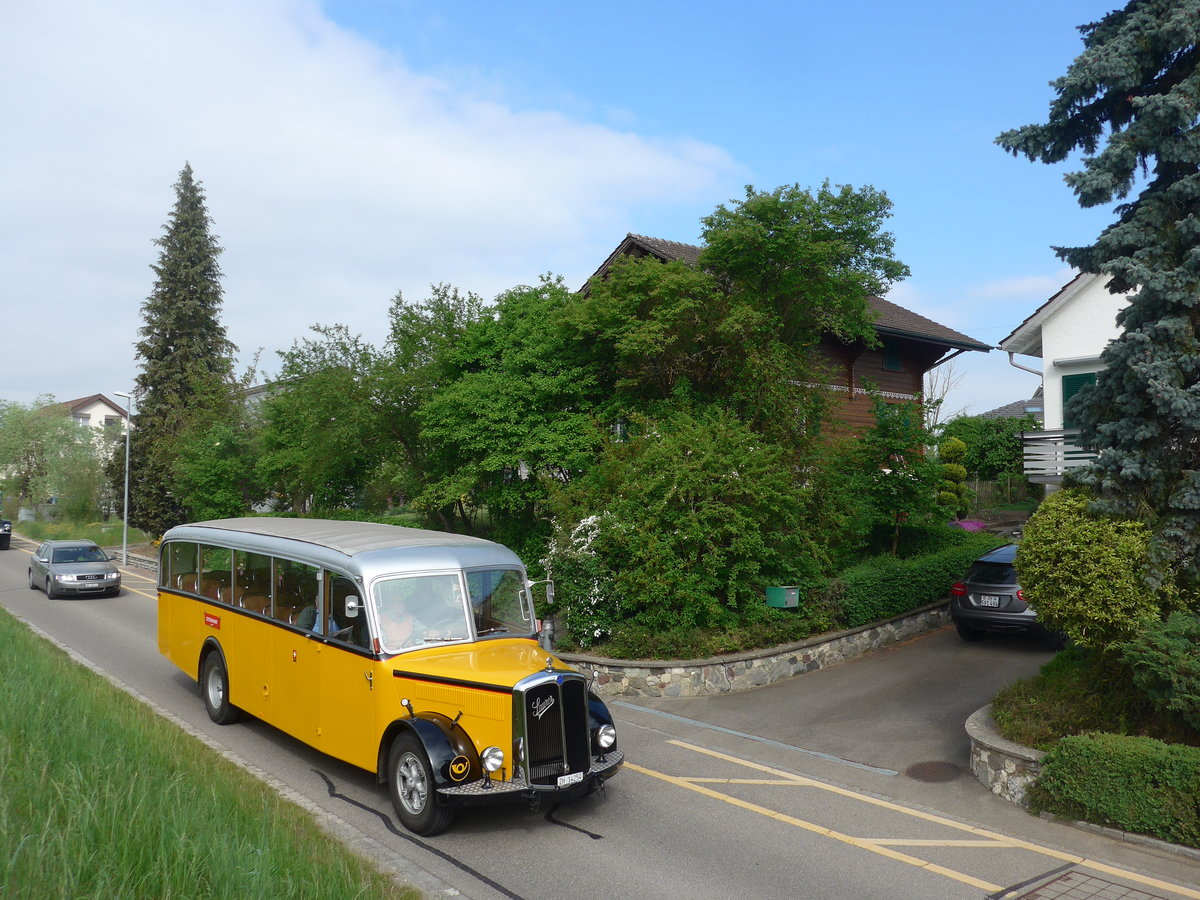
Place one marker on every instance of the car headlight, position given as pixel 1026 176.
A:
pixel 606 737
pixel 492 759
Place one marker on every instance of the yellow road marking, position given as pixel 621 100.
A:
pixel 816 829
pixel 877 845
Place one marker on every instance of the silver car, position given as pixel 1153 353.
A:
pixel 73 568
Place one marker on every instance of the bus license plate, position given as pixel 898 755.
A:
pixel 568 780
pixel 989 600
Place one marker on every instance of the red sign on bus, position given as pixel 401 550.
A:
pixel 212 621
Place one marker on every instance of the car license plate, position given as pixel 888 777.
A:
pixel 989 600
pixel 568 780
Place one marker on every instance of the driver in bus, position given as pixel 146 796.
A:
pixel 400 626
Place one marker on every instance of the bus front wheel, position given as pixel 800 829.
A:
pixel 214 684
pixel 410 781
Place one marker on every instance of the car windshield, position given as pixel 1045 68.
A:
pixel 419 610
pixel 498 602
pixel 78 555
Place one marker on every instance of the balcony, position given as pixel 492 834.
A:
pixel 1049 454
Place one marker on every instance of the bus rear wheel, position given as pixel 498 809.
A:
pixel 410 782
pixel 214 684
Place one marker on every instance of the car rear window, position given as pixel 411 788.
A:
pixel 992 573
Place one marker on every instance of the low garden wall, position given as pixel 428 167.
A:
pixel 1004 768
pixel 755 668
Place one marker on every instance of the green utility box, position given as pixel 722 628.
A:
pixel 786 597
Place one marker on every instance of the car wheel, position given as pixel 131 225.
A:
pixel 1058 640
pixel 214 684
pixel 50 588
pixel 410 782
pixel 32 584
pixel 969 634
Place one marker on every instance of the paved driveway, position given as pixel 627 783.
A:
pixel 892 709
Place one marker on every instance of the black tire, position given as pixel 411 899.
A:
pixel 50 590
pixel 32 584
pixel 969 634
pixel 214 685
pixel 1058 640
pixel 410 782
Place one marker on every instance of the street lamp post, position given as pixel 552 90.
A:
pixel 125 510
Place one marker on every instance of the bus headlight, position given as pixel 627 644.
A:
pixel 606 737
pixel 492 759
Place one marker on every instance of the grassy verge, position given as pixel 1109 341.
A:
pixel 101 798
pixel 1079 692
pixel 105 534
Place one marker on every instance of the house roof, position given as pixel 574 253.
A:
pixel 74 405
pixel 891 318
pixel 1026 338
pixel 1018 409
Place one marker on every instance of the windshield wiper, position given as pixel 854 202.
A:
pixel 493 631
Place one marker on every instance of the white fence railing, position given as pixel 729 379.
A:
pixel 1049 454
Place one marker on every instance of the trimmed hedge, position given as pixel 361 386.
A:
pixel 886 586
pixel 1135 784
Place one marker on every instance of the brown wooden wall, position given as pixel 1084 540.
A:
pixel 898 368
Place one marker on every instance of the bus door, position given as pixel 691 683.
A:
pixel 293 693
pixel 346 708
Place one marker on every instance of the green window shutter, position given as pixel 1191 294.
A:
pixel 892 361
pixel 1070 387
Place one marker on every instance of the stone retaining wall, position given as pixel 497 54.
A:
pixel 1004 768
pixel 739 671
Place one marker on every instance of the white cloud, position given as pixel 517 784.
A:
pixel 335 176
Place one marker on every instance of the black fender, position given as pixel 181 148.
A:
pixel 210 645
pixel 452 754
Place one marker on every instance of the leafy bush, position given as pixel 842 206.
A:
pixel 1132 783
pixel 1085 573
pixel 886 586
pixel 1078 691
pixel 700 515
pixel 1165 662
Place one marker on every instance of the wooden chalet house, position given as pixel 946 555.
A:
pixel 910 344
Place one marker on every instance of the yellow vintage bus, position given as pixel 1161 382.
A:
pixel 412 654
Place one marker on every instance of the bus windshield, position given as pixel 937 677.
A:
pixel 419 610
pixel 499 602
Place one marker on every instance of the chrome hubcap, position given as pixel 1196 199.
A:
pixel 411 784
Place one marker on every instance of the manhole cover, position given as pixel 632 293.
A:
pixel 933 771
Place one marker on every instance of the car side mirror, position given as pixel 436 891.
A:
pixel 353 605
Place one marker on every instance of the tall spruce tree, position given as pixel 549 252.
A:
pixel 186 382
pixel 1131 103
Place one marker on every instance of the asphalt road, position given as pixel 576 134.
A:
pixel 795 790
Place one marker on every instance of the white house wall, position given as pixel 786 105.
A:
pixel 1073 337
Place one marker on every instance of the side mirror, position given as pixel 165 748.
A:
pixel 353 605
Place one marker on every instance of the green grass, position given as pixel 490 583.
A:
pixel 99 797
pixel 104 534
pixel 1079 692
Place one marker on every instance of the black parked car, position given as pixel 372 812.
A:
pixel 5 534
pixel 989 599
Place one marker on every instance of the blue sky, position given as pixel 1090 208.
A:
pixel 358 148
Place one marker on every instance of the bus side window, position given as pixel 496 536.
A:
pixel 252 581
pixel 296 593
pixel 181 567
pixel 216 567
pixel 352 629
